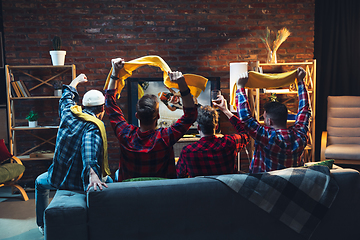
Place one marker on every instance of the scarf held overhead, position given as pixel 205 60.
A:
pixel 196 83
pixel 77 110
pixel 260 80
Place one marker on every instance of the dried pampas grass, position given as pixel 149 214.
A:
pixel 273 46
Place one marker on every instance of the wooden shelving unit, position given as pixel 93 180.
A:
pixel 255 94
pixel 37 77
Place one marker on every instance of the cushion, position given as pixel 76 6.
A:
pixel 9 171
pixel 66 216
pixel 343 151
pixel 143 179
pixel 328 163
pixel 4 152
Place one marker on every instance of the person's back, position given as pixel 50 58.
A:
pixel 212 155
pixel 146 151
pixel 76 140
pixel 276 145
pixel 80 157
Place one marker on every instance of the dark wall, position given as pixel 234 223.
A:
pixel 199 37
pixel 337 50
pixel 2 59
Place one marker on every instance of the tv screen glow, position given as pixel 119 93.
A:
pixel 171 112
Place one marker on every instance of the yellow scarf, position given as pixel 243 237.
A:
pixel 196 83
pixel 260 80
pixel 77 110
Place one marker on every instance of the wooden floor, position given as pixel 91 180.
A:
pixel 17 217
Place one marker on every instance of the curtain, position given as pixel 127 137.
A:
pixel 337 51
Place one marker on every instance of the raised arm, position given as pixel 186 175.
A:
pixel 187 99
pixel 117 65
pixel 251 125
pixel 243 79
pixel 70 96
pixel 304 111
pixel 300 74
pixel 222 105
pixel 79 79
pixel 243 104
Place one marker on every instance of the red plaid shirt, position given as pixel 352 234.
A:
pixel 150 153
pixel 276 148
pixel 212 155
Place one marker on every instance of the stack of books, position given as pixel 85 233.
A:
pixel 19 89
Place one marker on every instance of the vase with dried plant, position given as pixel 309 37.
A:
pixel 273 45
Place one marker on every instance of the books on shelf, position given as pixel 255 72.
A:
pixel 15 89
pixel 19 89
pixel 24 89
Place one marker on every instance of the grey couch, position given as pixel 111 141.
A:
pixel 193 208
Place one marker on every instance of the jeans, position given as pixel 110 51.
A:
pixel 117 175
pixel 42 192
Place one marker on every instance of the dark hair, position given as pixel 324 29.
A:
pixel 207 119
pixel 95 109
pixel 277 112
pixel 147 109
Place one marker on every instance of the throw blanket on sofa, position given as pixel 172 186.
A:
pixel 298 197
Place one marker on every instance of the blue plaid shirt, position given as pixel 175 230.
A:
pixel 78 147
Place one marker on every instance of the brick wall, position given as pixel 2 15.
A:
pixel 200 37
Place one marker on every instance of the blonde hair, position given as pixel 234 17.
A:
pixel 207 119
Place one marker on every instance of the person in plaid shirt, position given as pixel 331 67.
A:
pixel 146 151
pixel 78 151
pixel 212 155
pixel 276 146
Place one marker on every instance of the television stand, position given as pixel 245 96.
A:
pixel 186 141
pixel 183 142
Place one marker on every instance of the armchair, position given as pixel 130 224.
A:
pixel 11 170
pixel 341 141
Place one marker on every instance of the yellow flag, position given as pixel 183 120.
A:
pixel 260 80
pixel 196 83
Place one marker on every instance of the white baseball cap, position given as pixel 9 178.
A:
pixel 93 98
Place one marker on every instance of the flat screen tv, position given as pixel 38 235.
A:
pixel 170 106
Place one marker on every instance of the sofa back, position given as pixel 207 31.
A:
pixel 192 208
pixel 205 208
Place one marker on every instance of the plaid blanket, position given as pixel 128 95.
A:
pixel 298 197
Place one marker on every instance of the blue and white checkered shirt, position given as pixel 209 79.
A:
pixel 78 147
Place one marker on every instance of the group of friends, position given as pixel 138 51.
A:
pixel 147 151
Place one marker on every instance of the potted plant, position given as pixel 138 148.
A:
pixel 32 117
pixel 57 87
pixel 57 55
